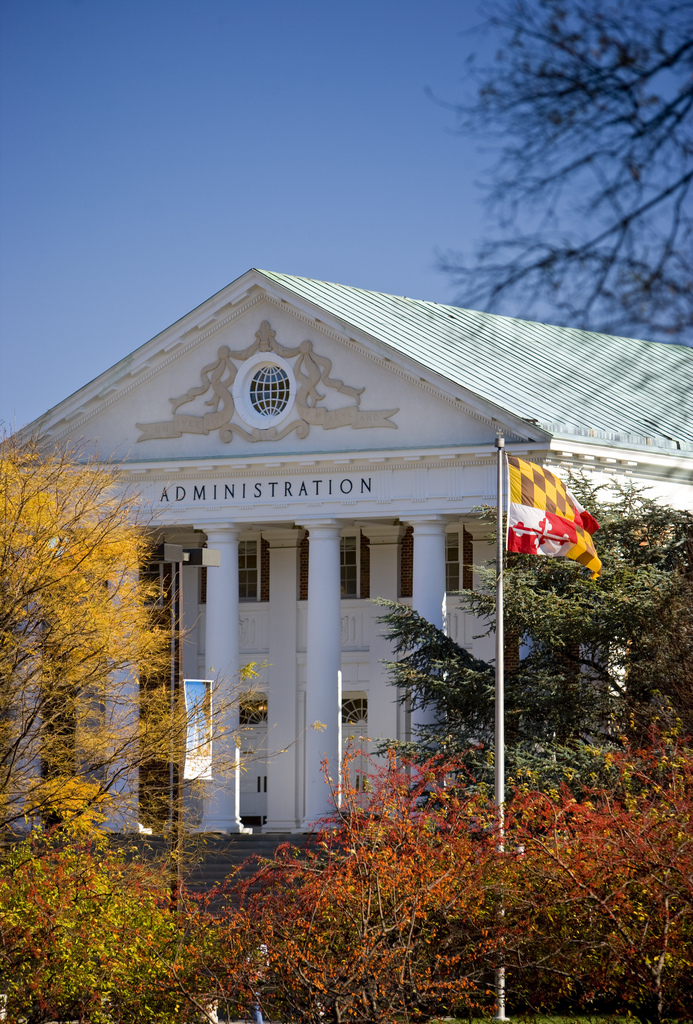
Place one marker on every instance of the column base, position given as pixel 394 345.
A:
pixel 320 824
pixel 280 826
pixel 225 828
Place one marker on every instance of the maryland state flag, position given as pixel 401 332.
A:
pixel 544 518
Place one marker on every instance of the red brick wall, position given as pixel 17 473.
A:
pixel 511 651
pixel 264 570
pixel 406 564
pixel 303 569
pixel 365 555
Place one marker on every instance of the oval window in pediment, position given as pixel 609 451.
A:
pixel 270 391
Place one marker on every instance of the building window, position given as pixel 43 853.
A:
pixel 253 710
pixel 349 566
pixel 468 561
pixel 452 561
pixel 247 570
pixel 354 710
pixel 269 391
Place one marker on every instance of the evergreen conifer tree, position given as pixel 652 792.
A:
pixel 599 660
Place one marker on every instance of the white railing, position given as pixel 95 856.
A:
pixel 254 628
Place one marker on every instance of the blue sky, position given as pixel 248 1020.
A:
pixel 154 150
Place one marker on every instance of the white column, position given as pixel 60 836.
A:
pixel 428 591
pixel 323 663
pixel 222 665
pixel 282 721
pixel 382 696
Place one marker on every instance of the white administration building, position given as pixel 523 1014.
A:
pixel 333 444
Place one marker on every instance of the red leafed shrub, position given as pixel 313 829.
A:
pixel 404 905
pixel 390 912
pixel 400 908
pixel 599 908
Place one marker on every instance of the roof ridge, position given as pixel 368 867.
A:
pixel 279 276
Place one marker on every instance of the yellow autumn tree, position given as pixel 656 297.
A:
pixel 76 632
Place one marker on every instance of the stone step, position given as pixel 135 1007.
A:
pixel 209 859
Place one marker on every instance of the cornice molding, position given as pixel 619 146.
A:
pixel 260 472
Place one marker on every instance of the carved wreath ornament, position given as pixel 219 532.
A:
pixel 264 393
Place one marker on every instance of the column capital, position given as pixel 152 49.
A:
pixel 279 537
pixel 220 531
pixel 322 527
pixel 431 524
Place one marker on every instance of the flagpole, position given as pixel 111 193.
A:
pixel 499 758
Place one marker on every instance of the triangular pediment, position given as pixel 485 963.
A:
pixel 256 371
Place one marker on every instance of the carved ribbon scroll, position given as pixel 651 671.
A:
pixel 311 371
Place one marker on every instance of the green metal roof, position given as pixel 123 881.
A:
pixel 571 382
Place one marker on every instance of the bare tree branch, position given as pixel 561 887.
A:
pixel 591 103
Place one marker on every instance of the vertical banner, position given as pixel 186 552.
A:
pixel 198 741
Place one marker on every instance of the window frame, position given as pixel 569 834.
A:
pixel 253 710
pixel 356 537
pixel 258 569
pixel 450 563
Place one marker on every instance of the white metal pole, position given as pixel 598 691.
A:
pixel 237 780
pixel 499 758
pixel 340 753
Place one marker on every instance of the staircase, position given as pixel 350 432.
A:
pixel 209 859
